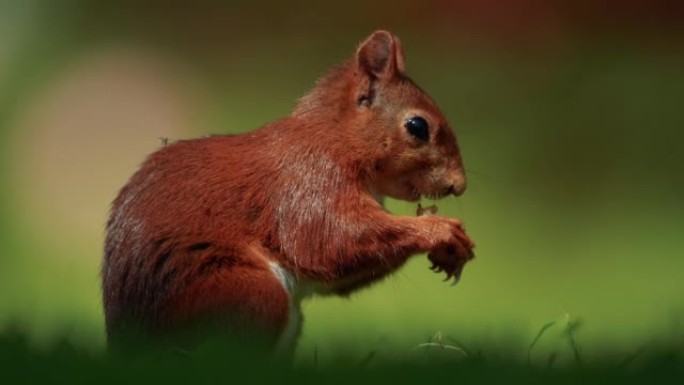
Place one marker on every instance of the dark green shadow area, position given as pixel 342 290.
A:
pixel 222 363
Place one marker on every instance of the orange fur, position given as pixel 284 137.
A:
pixel 193 232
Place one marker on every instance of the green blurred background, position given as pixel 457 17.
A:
pixel 569 114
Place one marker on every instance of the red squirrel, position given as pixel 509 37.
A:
pixel 240 228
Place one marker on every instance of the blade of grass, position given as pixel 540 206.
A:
pixel 571 331
pixel 367 359
pixel 536 339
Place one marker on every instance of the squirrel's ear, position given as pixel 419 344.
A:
pixel 380 55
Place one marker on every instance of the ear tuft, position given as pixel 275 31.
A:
pixel 380 55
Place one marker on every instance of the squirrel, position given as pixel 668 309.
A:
pixel 240 228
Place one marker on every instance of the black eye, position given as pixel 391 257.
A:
pixel 418 127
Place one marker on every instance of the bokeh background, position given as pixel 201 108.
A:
pixel 569 113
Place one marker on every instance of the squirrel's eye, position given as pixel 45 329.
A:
pixel 417 127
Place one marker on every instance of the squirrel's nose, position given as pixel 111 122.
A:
pixel 457 190
pixel 458 183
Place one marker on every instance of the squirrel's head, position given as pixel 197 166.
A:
pixel 416 150
pixel 408 148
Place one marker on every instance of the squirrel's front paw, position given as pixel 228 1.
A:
pixel 451 256
pixel 451 259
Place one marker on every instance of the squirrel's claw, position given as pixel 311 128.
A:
pixel 436 268
pixel 453 269
pixel 457 277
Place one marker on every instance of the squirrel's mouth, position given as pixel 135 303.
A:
pixel 415 194
pixel 411 191
pixel 436 184
pixel 432 195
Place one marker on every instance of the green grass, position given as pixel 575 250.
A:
pixel 216 362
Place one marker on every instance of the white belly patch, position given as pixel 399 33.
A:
pixel 288 339
pixel 285 277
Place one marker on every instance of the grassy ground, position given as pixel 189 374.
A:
pixel 219 363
